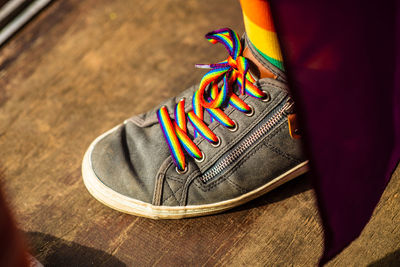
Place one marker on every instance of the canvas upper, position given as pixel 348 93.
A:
pixel 134 160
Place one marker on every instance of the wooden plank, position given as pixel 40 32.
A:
pixel 84 66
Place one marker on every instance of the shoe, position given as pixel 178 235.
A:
pixel 216 146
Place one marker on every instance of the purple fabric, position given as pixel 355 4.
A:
pixel 343 61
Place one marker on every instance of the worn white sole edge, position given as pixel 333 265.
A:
pixel 136 207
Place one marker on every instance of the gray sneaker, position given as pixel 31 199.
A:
pixel 216 146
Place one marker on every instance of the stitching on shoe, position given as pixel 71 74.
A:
pixel 229 173
pixel 257 147
pixel 266 83
pixel 277 150
pixel 159 185
pixel 180 188
pixel 280 153
pixel 173 193
pixel 151 117
pixel 166 200
pixel 137 120
pixel 280 96
pixel 176 179
pixel 195 174
pixel 170 167
pixel 238 187
pixel 272 105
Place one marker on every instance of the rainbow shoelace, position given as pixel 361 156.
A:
pixel 210 97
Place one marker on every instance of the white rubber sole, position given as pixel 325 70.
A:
pixel 136 207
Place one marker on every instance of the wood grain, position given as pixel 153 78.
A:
pixel 80 68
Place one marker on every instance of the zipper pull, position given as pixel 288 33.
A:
pixel 288 108
pixel 294 130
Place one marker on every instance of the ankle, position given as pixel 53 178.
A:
pixel 256 67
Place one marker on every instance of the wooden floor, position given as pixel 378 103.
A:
pixel 80 68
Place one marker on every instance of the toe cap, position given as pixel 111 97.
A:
pixel 127 159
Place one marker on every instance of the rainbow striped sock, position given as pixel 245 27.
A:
pixel 260 30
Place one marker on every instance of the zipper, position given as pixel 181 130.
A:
pixel 237 152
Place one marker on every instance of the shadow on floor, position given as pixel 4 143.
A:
pixel 390 260
pixel 287 190
pixel 53 251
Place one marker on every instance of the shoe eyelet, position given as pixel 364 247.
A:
pixel 234 128
pixel 203 157
pixel 181 172
pixel 217 144
pixel 251 112
pixel 267 97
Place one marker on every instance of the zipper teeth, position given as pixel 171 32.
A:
pixel 238 151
